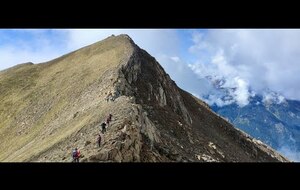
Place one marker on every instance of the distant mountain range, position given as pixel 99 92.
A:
pixel 270 118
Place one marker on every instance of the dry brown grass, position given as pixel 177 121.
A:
pixel 37 102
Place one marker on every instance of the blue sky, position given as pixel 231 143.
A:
pixel 249 60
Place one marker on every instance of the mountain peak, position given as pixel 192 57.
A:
pixel 122 37
pixel 53 107
pixel 126 36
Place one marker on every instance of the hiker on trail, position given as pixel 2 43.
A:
pixel 108 120
pixel 109 116
pixel 99 140
pixel 103 127
pixel 76 155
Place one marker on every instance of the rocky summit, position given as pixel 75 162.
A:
pixel 48 109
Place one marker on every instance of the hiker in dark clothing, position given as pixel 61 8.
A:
pixel 108 120
pixel 76 155
pixel 99 140
pixel 103 127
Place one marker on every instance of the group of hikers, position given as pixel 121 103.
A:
pixel 103 126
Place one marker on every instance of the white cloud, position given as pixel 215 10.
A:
pixel 272 97
pixel 219 68
pixel 236 91
pixel 176 59
pixel 241 94
pixel 217 99
pixel 263 58
pixel 199 43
